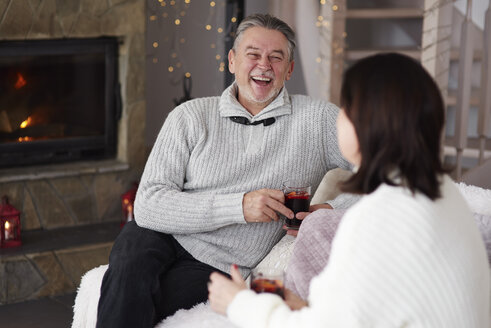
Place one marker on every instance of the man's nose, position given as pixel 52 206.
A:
pixel 264 62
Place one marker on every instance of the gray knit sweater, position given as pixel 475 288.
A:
pixel 203 163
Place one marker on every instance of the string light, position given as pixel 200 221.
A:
pixel 323 2
pixel 335 7
pixel 174 38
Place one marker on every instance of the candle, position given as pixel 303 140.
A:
pixel 8 231
pixel 130 213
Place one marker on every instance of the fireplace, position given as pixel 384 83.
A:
pixel 59 100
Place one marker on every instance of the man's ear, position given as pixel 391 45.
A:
pixel 290 70
pixel 231 61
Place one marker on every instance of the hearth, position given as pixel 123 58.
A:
pixel 59 100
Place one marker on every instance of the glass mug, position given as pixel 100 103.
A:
pixel 268 280
pixel 297 198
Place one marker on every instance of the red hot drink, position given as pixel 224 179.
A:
pixel 263 285
pixel 297 201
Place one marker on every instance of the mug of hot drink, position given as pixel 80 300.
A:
pixel 297 198
pixel 268 280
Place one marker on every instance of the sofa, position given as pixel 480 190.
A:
pixel 302 258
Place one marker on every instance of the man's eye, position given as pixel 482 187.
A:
pixel 252 55
pixel 275 59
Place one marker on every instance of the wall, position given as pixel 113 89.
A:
pixel 57 200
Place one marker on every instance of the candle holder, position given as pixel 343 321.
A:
pixel 127 201
pixel 9 225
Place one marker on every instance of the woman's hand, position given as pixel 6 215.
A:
pixel 222 291
pixel 303 215
pixel 294 301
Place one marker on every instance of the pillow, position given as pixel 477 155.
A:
pixel 484 225
pixel 478 199
pixel 312 249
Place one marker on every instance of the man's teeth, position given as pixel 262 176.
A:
pixel 260 78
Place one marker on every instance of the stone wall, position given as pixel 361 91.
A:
pixel 82 193
pixel 61 199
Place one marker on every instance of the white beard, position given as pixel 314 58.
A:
pixel 248 94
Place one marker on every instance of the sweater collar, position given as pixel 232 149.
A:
pixel 230 106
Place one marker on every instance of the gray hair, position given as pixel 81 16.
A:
pixel 269 22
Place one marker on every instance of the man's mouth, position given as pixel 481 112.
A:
pixel 261 80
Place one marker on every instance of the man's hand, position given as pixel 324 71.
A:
pixel 262 205
pixel 222 291
pixel 303 215
pixel 294 301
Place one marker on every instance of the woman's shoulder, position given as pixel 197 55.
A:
pixel 397 205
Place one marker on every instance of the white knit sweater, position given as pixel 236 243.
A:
pixel 202 163
pixel 397 260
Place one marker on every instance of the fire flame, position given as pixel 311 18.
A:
pixel 20 81
pixel 7 225
pixel 26 123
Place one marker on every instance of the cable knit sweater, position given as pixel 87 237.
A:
pixel 397 260
pixel 203 163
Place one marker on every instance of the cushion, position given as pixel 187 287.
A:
pixel 312 249
pixel 484 225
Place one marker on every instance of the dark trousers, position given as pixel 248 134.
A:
pixel 150 276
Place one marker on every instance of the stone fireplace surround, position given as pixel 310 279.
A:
pixel 72 198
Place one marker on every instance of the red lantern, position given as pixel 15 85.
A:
pixel 9 225
pixel 127 201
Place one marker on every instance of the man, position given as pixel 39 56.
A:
pixel 210 193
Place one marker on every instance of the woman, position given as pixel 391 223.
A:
pixel 408 254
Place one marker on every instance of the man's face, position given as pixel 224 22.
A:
pixel 261 66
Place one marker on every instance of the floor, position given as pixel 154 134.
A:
pixel 52 312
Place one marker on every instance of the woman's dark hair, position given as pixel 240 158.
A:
pixel 397 111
